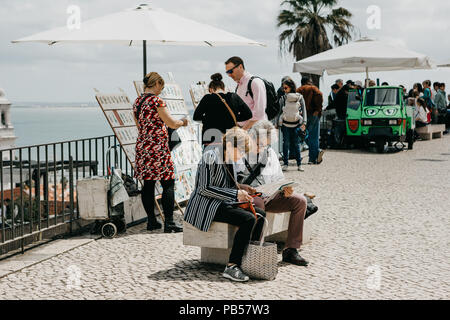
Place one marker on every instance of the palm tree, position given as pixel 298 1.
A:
pixel 307 22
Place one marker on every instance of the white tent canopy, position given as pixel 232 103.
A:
pixel 361 56
pixel 139 26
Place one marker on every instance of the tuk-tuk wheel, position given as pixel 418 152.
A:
pixel 109 230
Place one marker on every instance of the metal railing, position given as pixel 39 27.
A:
pixel 38 185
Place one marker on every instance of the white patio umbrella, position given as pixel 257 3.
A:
pixel 361 56
pixel 139 26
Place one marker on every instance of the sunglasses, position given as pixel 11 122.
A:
pixel 232 69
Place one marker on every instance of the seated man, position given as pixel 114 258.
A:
pixel 284 201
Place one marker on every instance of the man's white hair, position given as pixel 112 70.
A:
pixel 262 130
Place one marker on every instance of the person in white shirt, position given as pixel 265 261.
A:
pixel 421 114
pixel 234 67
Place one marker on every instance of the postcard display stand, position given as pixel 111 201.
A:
pixel 188 154
pixel 200 89
pixel 118 111
pixel 197 92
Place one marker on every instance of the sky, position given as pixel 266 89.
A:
pixel 34 72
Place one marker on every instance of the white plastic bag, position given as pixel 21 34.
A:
pixel 118 192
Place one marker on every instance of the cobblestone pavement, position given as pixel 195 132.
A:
pixel 382 232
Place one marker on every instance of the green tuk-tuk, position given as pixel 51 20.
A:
pixel 381 116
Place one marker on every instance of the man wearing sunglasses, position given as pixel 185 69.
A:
pixel 234 67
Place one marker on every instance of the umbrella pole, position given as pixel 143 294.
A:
pixel 367 77
pixel 145 56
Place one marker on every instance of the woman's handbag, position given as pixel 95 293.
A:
pixel 174 138
pixel 246 205
pixel 260 260
pixel 249 205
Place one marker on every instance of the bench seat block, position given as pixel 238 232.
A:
pixel 214 255
pixel 277 222
pixel 282 236
pixel 431 128
pixel 431 131
pixel 220 235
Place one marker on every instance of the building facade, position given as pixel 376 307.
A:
pixel 7 136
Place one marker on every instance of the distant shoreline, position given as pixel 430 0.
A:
pixel 36 105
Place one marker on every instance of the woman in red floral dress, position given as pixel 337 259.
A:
pixel 153 159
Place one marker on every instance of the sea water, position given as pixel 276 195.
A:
pixel 40 125
pixel 48 124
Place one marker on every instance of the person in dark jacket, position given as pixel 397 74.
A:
pixel 332 97
pixel 214 114
pixel 341 100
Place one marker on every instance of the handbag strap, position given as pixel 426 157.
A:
pixel 263 229
pixel 229 109
pixel 138 108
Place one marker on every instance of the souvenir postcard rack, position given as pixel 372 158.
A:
pixel 199 89
pixel 197 92
pixel 118 111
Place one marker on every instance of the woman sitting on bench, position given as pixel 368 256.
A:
pixel 215 192
pixel 421 114
pixel 286 200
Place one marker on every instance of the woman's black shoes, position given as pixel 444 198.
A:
pixel 172 227
pixel 154 226
pixel 169 227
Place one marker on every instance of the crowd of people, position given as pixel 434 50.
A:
pixel 431 105
pixel 236 130
pixel 239 130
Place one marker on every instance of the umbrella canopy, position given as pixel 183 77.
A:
pixel 361 56
pixel 139 26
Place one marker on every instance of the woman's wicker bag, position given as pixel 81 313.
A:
pixel 260 260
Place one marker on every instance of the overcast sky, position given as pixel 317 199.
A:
pixel 36 72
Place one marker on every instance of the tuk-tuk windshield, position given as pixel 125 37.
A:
pixel 382 97
pixel 352 102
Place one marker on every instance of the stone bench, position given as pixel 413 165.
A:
pixel 217 242
pixel 431 131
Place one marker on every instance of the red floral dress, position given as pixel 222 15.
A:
pixel 153 158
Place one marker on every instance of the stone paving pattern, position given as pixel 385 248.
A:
pixel 382 232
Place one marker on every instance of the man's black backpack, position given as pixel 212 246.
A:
pixel 272 107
